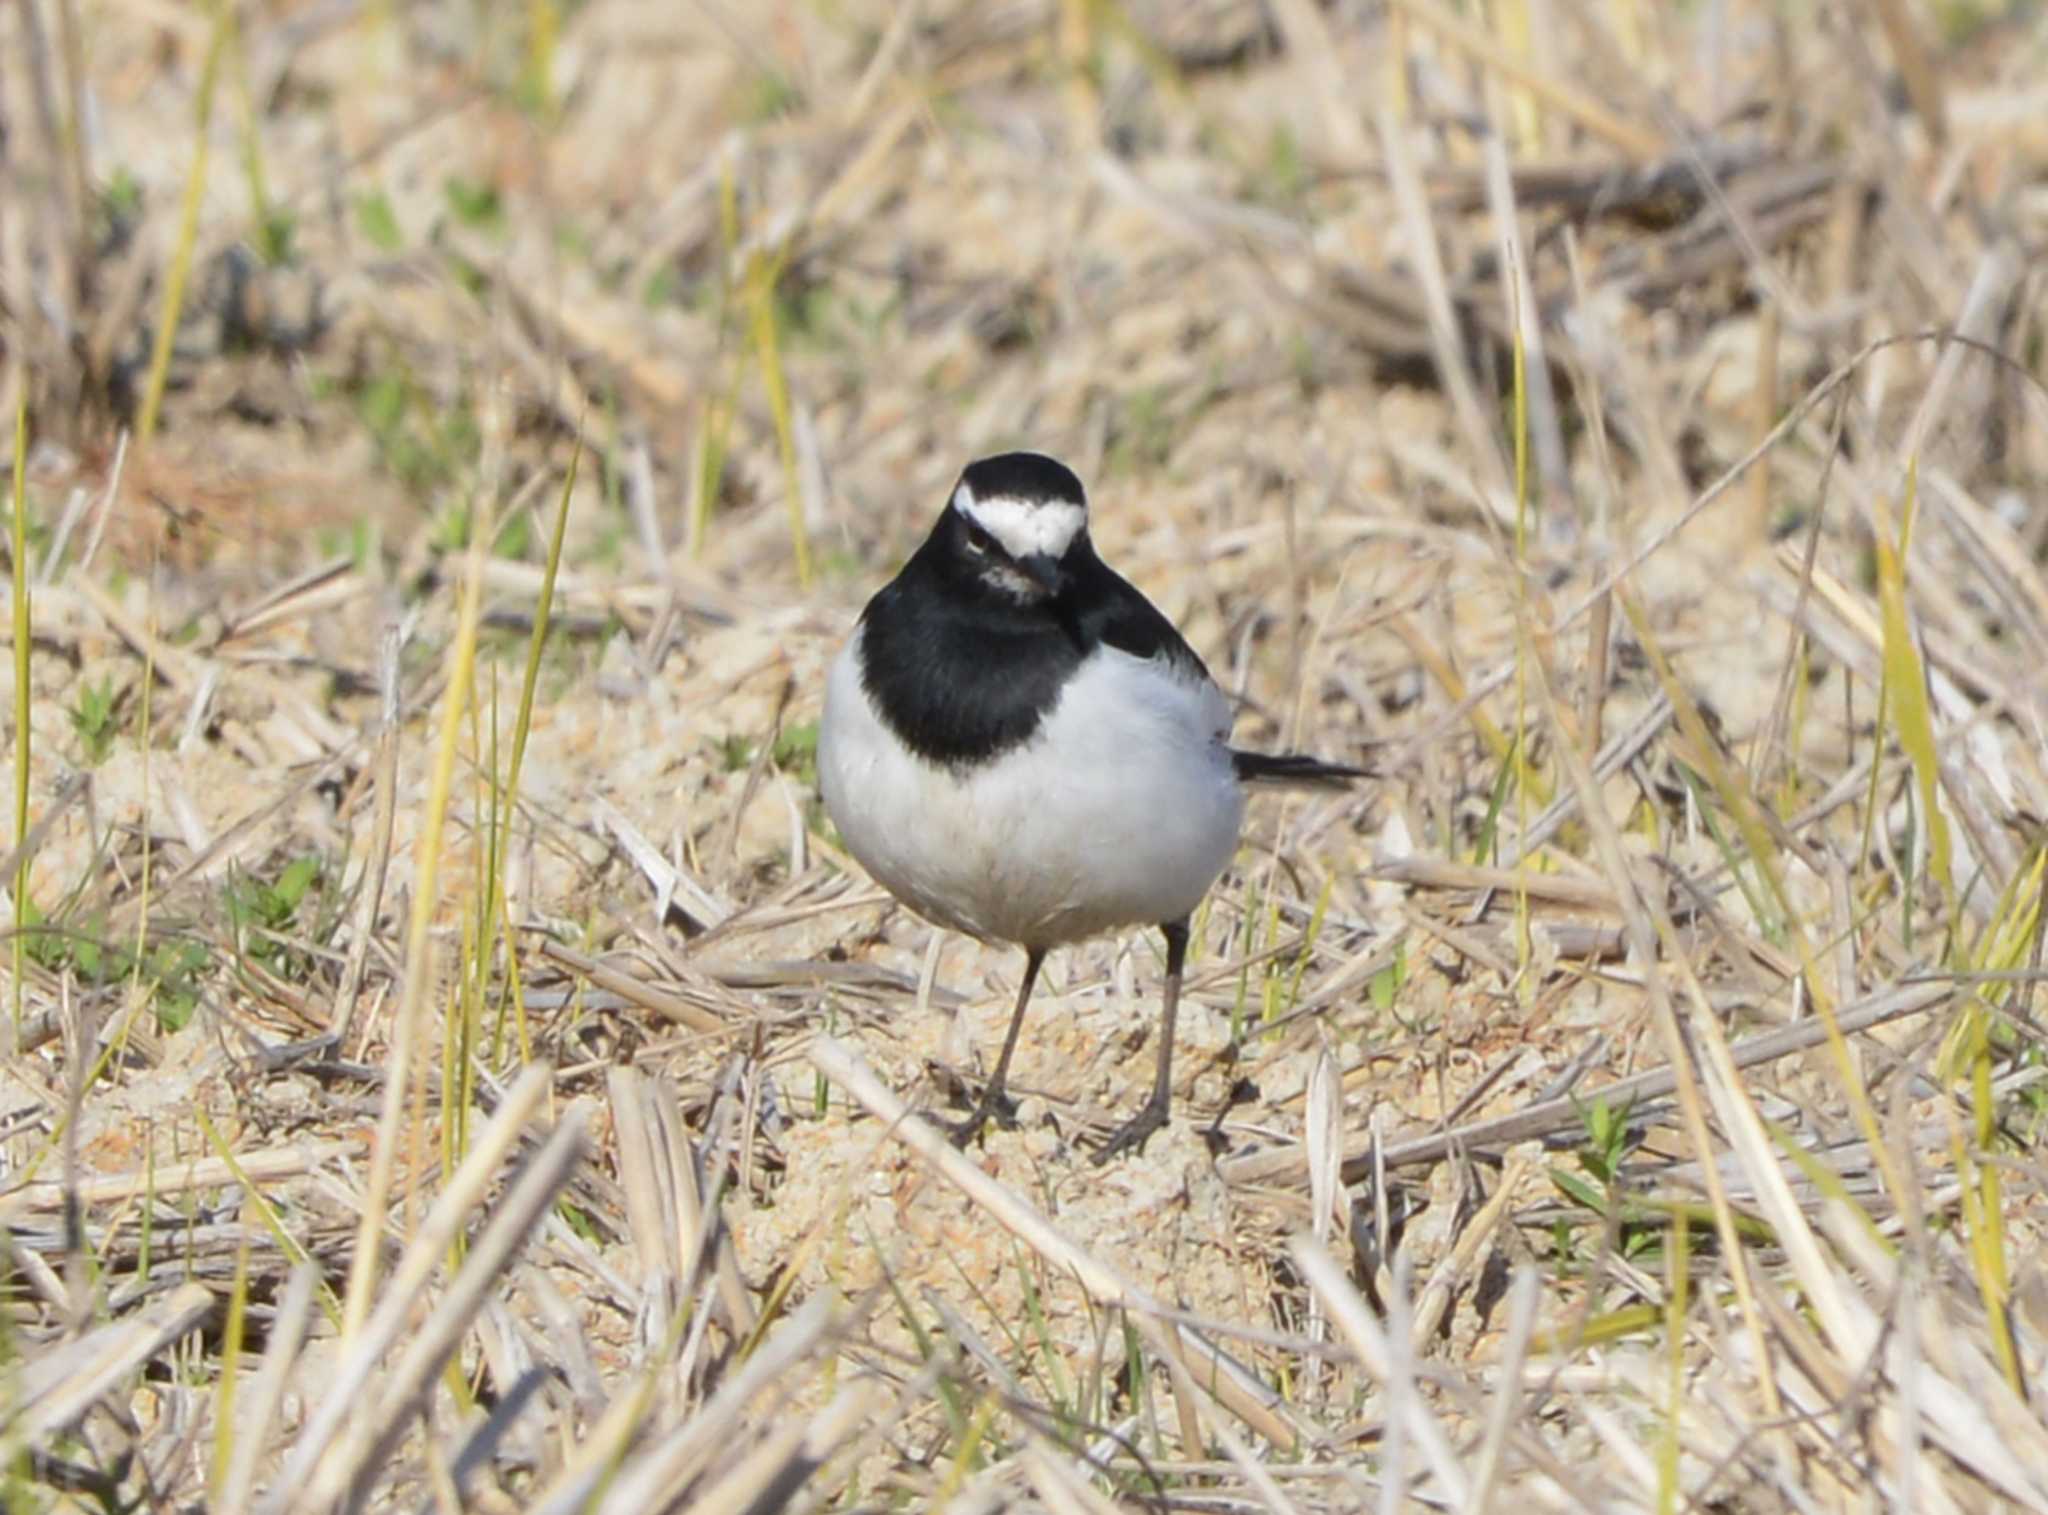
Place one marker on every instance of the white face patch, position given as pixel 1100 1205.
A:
pixel 1024 527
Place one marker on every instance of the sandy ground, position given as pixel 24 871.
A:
pixel 1174 247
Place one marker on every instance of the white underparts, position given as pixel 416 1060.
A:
pixel 1121 810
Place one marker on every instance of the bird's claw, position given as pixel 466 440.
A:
pixel 1132 1135
pixel 992 1106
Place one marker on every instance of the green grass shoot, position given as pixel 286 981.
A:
pixel 180 271
pixel 23 733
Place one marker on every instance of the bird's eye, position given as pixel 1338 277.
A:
pixel 979 542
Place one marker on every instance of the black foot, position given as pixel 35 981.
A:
pixel 1001 1109
pixel 1132 1135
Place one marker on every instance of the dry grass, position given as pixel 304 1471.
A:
pixel 453 1067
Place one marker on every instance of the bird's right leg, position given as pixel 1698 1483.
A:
pixel 994 1100
pixel 1132 1134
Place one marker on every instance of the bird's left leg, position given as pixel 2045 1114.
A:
pixel 995 1099
pixel 1132 1134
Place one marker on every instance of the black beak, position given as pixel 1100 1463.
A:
pixel 1044 570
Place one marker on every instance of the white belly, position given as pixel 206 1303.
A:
pixel 1121 810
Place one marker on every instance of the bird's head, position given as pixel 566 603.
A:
pixel 1012 524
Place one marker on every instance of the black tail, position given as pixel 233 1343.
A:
pixel 1293 768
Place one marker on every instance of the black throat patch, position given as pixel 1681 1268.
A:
pixel 962 673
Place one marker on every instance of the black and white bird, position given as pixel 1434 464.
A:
pixel 1018 745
